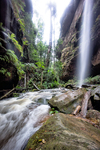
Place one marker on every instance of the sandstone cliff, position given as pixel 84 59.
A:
pixel 10 22
pixel 70 34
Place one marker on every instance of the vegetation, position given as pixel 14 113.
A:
pixel 34 55
pixel 89 80
pixel 53 111
pixel 93 80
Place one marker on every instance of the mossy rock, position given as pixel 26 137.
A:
pixel 65 132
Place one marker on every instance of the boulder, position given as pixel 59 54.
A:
pixel 94 116
pixel 95 98
pixel 96 93
pixel 65 132
pixel 68 101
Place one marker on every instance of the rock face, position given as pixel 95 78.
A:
pixel 95 98
pixel 68 101
pixel 70 34
pixel 9 24
pixel 64 132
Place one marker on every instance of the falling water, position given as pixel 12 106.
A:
pixel 85 45
pixel 21 117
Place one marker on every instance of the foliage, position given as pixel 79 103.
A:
pixel 89 80
pixel 14 60
pixel 35 51
pixel 5 72
pixel 18 87
pixel 10 57
pixel 58 69
pixel 29 67
pixel 93 80
pixel 15 94
pixel 17 45
pixel 53 111
pixel 71 81
pixel 58 49
pixel 50 79
pixel 18 6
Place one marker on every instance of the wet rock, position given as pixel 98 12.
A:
pixel 96 93
pixel 94 116
pixel 68 101
pixel 95 98
pixel 70 86
pixel 64 132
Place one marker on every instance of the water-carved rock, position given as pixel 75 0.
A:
pixel 68 101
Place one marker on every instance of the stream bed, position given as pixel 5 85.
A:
pixel 21 117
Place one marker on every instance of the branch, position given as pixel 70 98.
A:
pixel 85 103
pixel 7 94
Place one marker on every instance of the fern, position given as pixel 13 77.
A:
pixel 8 74
pixel 17 45
pixel 5 72
pixel 16 62
pixel 1 58
pixel 6 58
pixel 10 57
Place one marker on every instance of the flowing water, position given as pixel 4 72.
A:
pixel 85 45
pixel 21 117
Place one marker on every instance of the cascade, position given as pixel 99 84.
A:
pixel 85 44
pixel 22 116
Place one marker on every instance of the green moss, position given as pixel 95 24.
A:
pixel 62 132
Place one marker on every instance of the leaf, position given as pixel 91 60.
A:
pixel 43 141
pixel 51 112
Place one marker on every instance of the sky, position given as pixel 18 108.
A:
pixel 41 7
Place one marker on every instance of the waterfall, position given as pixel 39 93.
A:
pixel 85 45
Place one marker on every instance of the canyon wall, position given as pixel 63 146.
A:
pixel 70 34
pixel 10 24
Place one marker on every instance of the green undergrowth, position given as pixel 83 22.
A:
pixel 89 80
pixel 93 80
pixel 53 111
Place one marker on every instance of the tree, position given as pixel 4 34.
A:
pixel 52 8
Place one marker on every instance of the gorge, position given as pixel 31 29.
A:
pixel 40 103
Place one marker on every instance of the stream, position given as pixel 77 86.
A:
pixel 21 117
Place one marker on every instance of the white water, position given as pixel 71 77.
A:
pixel 21 117
pixel 85 45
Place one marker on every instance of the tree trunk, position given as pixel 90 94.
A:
pixel 50 40
pixel 25 80
pixel 41 78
